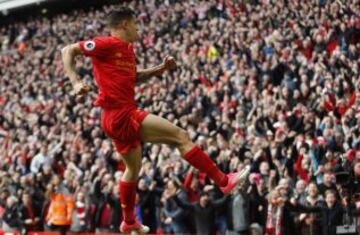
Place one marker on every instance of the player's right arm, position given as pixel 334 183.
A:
pixel 68 56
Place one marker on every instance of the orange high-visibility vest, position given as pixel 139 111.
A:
pixel 60 210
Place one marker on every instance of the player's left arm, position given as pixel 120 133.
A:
pixel 143 75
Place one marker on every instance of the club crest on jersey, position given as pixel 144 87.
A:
pixel 89 45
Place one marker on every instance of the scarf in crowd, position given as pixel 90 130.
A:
pixel 80 209
pixel 271 227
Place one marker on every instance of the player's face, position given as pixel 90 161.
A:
pixel 132 30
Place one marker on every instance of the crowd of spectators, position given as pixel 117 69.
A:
pixel 268 83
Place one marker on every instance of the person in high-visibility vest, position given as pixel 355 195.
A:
pixel 61 207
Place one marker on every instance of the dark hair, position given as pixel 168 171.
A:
pixel 118 15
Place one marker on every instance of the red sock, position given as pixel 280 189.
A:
pixel 127 199
pixel 200 160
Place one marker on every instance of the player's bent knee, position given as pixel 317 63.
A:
pixel 183 138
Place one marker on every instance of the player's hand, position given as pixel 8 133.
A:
pixel 169 63
pixel 81 88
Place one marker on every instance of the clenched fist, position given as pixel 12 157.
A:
pixel 169 63
pixel 81 88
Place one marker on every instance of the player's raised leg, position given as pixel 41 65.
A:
pixel 155 129
pixel 128 184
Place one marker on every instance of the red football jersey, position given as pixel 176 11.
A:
pixel 114 67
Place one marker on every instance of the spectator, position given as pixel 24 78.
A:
pixel 30 213
pixel 80 216
pixel 174 216
pixel 107 214
pixel 257 197
pixel 239 212
pixel 279 213
pixel 203 211
pixel 300 190
pixel 147 199
pixel 11 218
pixel 102 189
pixel 61 207
pixel 116 216
pixel 310 223
pixel 332 213
pixel 327 184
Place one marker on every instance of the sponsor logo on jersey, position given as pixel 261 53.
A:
pixel 89 45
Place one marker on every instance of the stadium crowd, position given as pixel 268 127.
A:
pixel 268 83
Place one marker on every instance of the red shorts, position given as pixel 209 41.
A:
pixel 123 127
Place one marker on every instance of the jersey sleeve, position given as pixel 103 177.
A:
pixel 96 47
